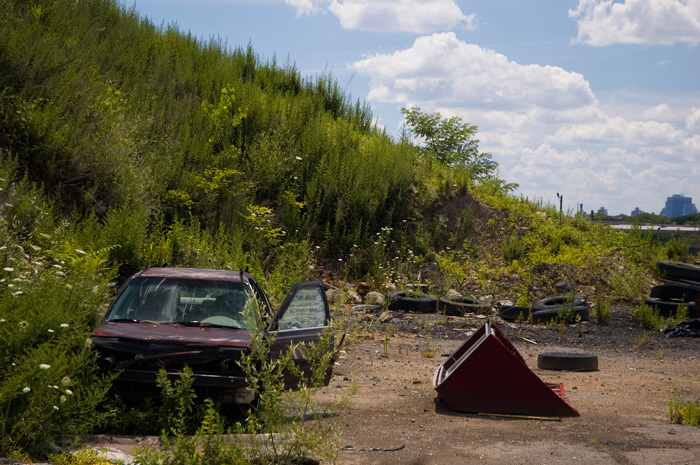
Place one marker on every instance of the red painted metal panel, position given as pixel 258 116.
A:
pixel 487 374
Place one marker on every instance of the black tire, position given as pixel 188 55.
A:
pixel 675 291
pixel 567 361
pixel 547 315
pixel 557 301
pixel 423 304
pixel 679 270
pixel 457 305
pixel 514 312
pixel 668 307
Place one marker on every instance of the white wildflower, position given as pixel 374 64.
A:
pixel 298 158
pixel 63 399
pixel 8 269
pixel 50 330
pixel 65 381
pixel 69 392
pixel 44 366
pixel 26 389
pixel 64 325
pixel 55 407
pixel 80 252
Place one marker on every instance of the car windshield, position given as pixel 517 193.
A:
pixel 182 301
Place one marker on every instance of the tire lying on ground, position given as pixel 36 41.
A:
pixel 557 301
pixel 679 270
pixel 547 315
pixel 675 291
pixel 514 312
pixel 457 305
pixel 669 306
pixel 567 361
pixel 417 302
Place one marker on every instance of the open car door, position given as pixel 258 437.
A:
pixel 299 323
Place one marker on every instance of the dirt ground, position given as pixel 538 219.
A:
pixel 623 406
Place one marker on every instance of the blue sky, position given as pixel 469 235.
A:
pixel 598 100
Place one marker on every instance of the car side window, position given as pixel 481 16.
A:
pixel 306 310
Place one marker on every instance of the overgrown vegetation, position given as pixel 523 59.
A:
pixel 124 144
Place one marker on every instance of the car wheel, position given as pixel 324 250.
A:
pixel 457 305
pixel 567 361
pixel 421 303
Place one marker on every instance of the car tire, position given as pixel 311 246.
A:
pixel 457 305
pixel 669 307
pixel 423 304
pixel 679 270
pixel 547 315
pixel 514 312
pixel 567 361
pixel 675 291
pixel 557 301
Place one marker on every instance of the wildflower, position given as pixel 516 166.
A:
pixel 69 392
pixel 8 269
pixel 23 325
pixel 2 320
pixel 26 389
pixel 80 252
pixel 64 325
pixel 15 294
pixel 65 381
pixel 298 158
pixel 50 330
pixel 55 407
pixel 44 366
pixel 69 286
pixel 58 267
pixel 63 399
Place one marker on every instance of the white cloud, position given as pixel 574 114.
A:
pixel 656 22
pixel 692 122
pixel 441 68
pixel 658 112
pixel 306 7
pixel 415 16
pixel 620 131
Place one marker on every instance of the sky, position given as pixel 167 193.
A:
pixel 594 100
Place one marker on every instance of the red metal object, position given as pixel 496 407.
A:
pixel 487 374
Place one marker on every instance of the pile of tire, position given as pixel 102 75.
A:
pixel 547 309
pixel 681 288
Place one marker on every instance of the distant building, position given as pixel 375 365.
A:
pixel 602 211
pixel 678 205
pixel 636 212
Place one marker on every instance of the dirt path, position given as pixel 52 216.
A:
pixel 623 405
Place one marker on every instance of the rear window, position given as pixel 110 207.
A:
pixel 181 300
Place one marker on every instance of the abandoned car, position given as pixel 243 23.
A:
pixel 177 317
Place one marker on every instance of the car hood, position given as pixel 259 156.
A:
pixel 173 333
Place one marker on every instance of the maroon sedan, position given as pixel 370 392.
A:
pixel 176 317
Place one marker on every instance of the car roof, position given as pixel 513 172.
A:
pixel 196 273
